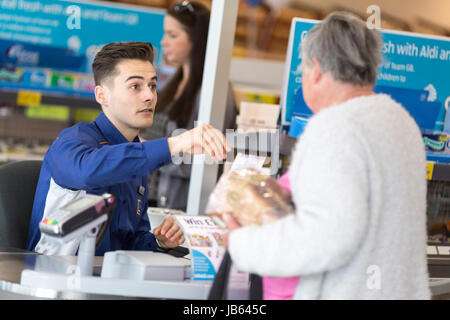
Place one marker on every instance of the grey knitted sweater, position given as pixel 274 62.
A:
pixel 358 177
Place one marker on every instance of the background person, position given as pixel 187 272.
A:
pixel 184 43
pixel 358 182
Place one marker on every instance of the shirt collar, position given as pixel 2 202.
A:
pixel 109 131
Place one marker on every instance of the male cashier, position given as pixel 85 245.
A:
pixel 106 155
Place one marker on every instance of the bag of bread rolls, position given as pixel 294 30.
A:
pixel 250 196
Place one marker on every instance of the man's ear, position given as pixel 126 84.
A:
pixel 101 95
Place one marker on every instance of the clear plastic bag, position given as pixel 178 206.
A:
pixel 251 197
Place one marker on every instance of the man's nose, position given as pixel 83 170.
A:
pixel 149 94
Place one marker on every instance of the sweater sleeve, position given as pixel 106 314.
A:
pixel 330 192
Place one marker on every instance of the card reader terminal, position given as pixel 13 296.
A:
pixel 76 214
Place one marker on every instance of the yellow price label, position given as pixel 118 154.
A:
pixel 28 98
pixel 430 167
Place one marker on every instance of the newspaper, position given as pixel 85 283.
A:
pixel 206 242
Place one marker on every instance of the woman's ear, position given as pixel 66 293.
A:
pixel 315 71
pixel 101 95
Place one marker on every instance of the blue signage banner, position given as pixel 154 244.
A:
pixel 414 72
pixel 46 43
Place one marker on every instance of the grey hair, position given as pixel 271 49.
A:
pixel 343 45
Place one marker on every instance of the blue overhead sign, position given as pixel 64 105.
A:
pixel 80 26
pixel 415 72
pixel 49 45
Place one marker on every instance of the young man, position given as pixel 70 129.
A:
pixel 358 182
pixel 107 156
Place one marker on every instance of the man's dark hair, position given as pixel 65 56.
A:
pixel 110 55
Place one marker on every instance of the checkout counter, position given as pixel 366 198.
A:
pixel 13 261
pixel 131 275
pixel 27 275
pixel 117 275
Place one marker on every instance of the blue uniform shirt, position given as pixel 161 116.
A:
pixel 96 158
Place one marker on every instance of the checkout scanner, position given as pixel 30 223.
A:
pixel 142 274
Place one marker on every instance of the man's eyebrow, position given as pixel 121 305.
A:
pixel 134 77
pixel 140 78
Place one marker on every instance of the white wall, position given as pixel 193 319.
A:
pixel 263 74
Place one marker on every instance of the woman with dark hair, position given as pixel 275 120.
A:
pixel 184 45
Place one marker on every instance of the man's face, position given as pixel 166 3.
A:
pixel 130 96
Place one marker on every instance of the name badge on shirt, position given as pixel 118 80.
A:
pixel 141 190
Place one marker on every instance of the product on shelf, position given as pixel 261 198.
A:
pixel 436 142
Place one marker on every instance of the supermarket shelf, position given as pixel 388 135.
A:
pixel 439 266
pixel 287 145
pixel 435 171
pixel 11 96
pixel 5 157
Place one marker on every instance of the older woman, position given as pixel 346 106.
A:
pixel 358 182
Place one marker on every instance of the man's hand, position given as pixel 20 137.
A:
pixel 203 139
pixel 169 233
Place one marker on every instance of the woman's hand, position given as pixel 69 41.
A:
pixel 231 223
